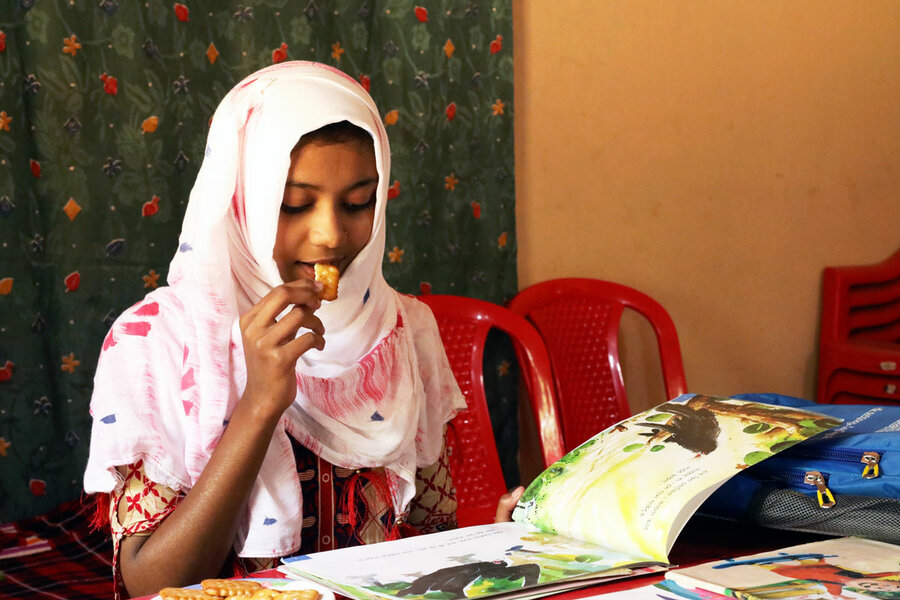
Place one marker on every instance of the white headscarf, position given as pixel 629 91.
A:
pixel 172 366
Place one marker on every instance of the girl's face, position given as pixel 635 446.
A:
pixel 328 207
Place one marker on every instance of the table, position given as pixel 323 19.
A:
pixel 703 539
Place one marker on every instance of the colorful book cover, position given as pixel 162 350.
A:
pixel 610 508
pixel 836 569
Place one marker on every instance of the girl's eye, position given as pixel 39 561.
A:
pixel 352 207
pixel 293 210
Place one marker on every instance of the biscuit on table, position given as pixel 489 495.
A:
pixel 270 594
pixel 265 594
pixel 328 275
pixel 171 593
pixel 227 588
pixel 235 589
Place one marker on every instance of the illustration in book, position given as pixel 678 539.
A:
pixel 470 562
pixel 837 569
pixel 610 508
pixel 635 484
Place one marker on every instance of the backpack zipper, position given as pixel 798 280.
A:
pixel 870 459
pixel 823 494
pixel 817 479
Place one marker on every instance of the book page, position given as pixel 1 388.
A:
pixel 472 562
pixel 633 486
pixel 835 569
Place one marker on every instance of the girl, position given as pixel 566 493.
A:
pixel 237 417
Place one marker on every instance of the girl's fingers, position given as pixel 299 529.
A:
pixel 298 346
pixel 507 503
pixel 301 293
pixel 286 329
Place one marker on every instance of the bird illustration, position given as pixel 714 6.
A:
pixel 694 429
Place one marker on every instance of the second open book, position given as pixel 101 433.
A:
pixel 610 508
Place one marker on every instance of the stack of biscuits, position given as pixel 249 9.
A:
pixel 235 589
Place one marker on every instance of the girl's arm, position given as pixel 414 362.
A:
pixel 194 541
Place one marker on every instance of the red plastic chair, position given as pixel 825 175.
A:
pixel 464 324
pixel 859 344
pixel 579 321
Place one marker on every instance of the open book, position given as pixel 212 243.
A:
pixel 836 569
pixel 610 508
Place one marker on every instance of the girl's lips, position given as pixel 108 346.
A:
pixel 308 268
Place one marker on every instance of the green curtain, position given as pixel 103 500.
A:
pixel 104 107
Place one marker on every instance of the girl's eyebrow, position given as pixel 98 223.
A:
pixel 366 181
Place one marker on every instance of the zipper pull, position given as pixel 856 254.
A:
pixel 823 494
pixel 870 459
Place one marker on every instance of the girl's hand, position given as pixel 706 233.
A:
pixel 507 504
pixel 271 348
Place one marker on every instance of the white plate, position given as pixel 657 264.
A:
pixel 284 584
pixel 298 584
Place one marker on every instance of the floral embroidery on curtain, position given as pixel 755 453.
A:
pixel 104 106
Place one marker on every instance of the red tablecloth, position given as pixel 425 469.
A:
pixel 55 555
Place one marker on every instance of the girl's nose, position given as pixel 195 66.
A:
pixel 326 229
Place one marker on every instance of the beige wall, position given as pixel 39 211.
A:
pixel 715 155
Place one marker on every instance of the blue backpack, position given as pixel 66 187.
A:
pixel 843 482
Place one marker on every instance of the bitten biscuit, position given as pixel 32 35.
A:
pixel 328 275
pixel 184 594
pixel 226 588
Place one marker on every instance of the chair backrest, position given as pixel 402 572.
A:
pixel 578 319
pixel 464 324
pixel 862 302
